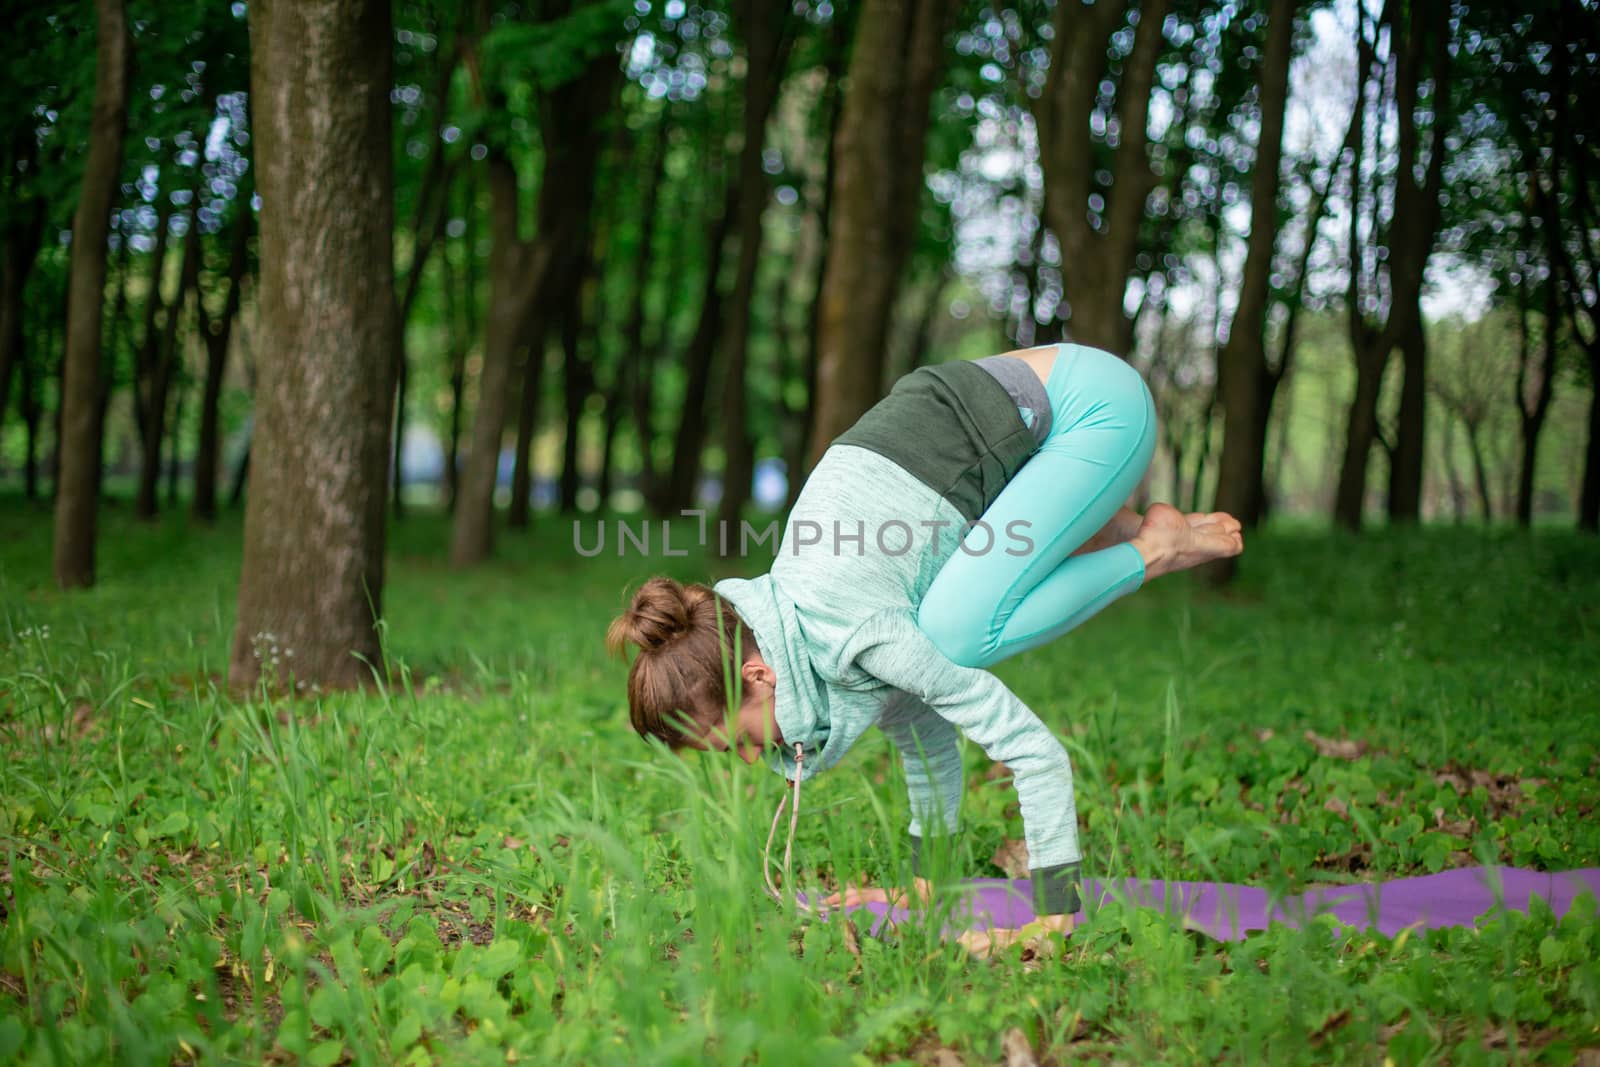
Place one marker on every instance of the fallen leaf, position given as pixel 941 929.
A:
pixel 1012 858
pixel 1329 1025
pixel 1336 748
pixel 852 941
pixel 1016 1049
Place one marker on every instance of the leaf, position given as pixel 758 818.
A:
pixel 1016 1049
pixel 852 941
pixel 1012 858
pixel 375 949
pixel 1329 1025
pixel 406 1032
pixel 499 958
pixel 12 1037
pixel 1336 748
pixel 325 1053
pixel 172 825
pixel 327 1005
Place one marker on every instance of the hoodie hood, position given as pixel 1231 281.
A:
pixel 799 700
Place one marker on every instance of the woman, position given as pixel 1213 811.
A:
pixel 973 513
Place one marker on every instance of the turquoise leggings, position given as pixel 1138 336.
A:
pixel 986 605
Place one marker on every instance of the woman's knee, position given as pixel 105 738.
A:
pixel 950 627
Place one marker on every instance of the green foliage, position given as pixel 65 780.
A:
pixel 478 861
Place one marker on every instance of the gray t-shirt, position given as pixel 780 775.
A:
pixel 1026 390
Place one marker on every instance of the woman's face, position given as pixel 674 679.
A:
pixel 755 728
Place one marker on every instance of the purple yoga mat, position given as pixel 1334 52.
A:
pixel 1228 912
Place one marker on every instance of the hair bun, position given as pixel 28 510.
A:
pixel 661 612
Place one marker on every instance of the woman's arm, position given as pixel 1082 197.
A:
pixel 930 753
pixel 891 647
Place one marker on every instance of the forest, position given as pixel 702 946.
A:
pixel 325 325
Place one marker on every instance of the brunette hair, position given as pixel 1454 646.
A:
pixel 688 635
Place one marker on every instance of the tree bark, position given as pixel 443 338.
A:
pixel 577 382
pixel 174 432
pixel 1369 346
pixel 1531 417
pixel 797 471
pixel 217 334
pixel 689 440
pixel 1589 497
pixel 532 374
pixel 311 582
pixel 427 228
pixel 768 37
pixel 1245 382
pixel 461 312
pixel 28 403
pixel 1096 260
pixel 22 241
pixel 159 371
pixel 78 459
pixel 1416 213
pixel 522 271
pixel 640 357
pixel 1480 474
pixel 881 144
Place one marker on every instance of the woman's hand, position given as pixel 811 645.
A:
pixel 986 943
pixel 854 895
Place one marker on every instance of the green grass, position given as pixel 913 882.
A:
pixel 479 862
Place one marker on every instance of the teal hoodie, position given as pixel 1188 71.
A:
pixel 835 617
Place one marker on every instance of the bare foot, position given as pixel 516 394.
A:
pixel 1171 541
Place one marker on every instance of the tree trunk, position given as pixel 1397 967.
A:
pixel 241 478
pixel 174 438
pixel 78 452
pixel 472 538
pixel 798 470
pixel 1203 452
pixel 427 227
pixel 22 242
pixel 768 40
pixel 532 373
pixel 521 272
pixel 577 381
pixel 1245 384
pixel 1589 498
pixel 1369 346
pixel 216 336
pixel 1412 234
pixel 1480 474
pixel 689 441
pixel 642 358
pixel 1405 472
pixel 1096 259
pixel 1531 418
pixel 29 404
pixel 615 405
pixel 881 144
pixel 311 582
pixel 159 371
pixel 1371 357
pixel 461 312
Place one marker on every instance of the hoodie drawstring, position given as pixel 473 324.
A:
pixel 788 848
